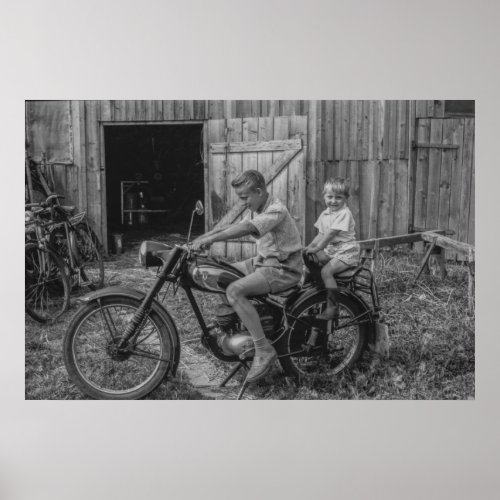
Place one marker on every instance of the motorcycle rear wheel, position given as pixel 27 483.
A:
pixel 96 363
pixel 339 343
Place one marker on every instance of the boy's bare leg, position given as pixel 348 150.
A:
pixel 237 296
pixel 327 273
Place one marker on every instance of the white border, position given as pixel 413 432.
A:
pixel 264 49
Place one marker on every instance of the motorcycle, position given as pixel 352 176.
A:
pixel 122 342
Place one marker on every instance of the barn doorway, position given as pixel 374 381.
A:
pixel 154 175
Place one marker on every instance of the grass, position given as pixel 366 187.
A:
pixel 432 352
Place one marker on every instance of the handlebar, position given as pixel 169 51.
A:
pixel 44 204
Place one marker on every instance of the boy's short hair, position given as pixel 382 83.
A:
pixel 338 185
pixel 253 179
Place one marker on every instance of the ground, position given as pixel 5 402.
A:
pixel 432 353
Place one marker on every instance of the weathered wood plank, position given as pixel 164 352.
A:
pixel 364 127
pixel 233 169
pixel 472 207
pixel 265 160
pixel 464 249
pixel 179 110
pixel 215 109
pixel 273 108
pixel 421 109
pixel 466 182
pixel 445 176
pixel 368 195
pixel 130 110
pixel 140 110
pixel 401 196
pixel 250 162
pixel 168 110
pixel 256 146
pixel 379 129
pixel 400 239
pixel 432 216
pixel 329 121
pixel 281 132
pixel 119 111
pixel 230 109
pixel 296 175
pixel 353 202
pixel 289 108
pixel 93 166
pixel 150 110
pixel 386 198
pixel 337 129
pixel 372 118
pixel 200 111
pixel 188 110
pixel 255 108
pixel 158 110
pixel 74 187
pixel 216 203
pixel 105 110
pixel 344 133
pixel 421 173
pixel 353 131
pixel 402 148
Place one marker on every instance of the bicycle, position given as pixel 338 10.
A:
pixel 74 240
pixel 47 288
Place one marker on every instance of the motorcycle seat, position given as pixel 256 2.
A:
pixel 285 293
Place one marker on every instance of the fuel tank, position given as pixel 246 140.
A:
pixel 211 274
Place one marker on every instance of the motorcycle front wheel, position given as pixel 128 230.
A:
pixel 97 362
pixel 322 349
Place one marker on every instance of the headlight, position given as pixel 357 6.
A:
pixel 147 253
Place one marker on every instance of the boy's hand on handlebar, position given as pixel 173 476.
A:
pixel 200 243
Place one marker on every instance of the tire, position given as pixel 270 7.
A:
pixel 339 343
pixel 102 371
pixel 46 284
pixel 89 258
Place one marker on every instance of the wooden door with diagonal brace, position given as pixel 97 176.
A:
pixel 276 147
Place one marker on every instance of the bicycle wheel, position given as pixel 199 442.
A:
pixel 89 258
pixel 46 284
pixel 101 368
pixel 338 345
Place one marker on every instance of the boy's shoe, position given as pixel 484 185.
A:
pixel 262 363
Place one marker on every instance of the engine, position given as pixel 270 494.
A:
pixel 233 337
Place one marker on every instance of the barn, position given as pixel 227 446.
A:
pixel 134 163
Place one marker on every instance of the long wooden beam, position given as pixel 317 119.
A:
pixel 399 239
pixel 255 146
pixel 449 243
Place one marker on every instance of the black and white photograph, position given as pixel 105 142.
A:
pixel 251 249
pixel 260 245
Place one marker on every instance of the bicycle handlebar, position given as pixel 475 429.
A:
pixel 44 204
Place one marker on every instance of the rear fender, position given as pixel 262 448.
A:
pixel 117 291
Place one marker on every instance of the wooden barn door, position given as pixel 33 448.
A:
pixel 275 146
pixel 444 176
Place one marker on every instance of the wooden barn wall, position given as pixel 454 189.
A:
pixel 367 141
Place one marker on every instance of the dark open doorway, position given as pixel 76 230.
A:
pixel 154 175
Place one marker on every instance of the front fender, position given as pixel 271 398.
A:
pixel 131 293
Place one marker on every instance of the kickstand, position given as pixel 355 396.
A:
pixel 233 372
pixel 242 390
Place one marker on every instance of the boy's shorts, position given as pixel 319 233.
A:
pixel 280 275
pixel 347 252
